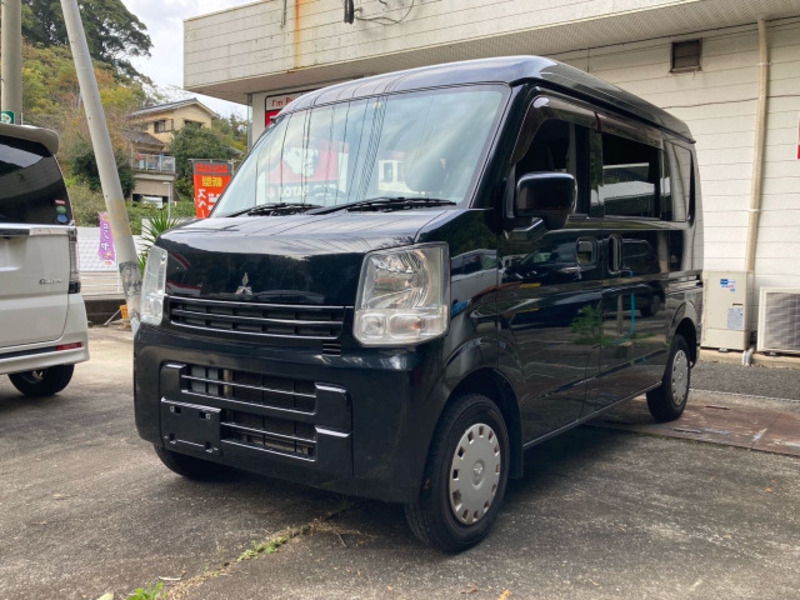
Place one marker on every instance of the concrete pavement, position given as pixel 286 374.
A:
pixel 86 508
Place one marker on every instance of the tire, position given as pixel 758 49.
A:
pixel 190 467
pixel 666 402
pixel 43 382
pixel 443 517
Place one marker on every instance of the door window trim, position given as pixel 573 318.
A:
pixel 551 106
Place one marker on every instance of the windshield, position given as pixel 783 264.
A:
pixel 414 145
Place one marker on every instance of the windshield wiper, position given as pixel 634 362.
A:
pixel 385 203
pixel 276 208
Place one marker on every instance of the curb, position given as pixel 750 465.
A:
pixel 734 357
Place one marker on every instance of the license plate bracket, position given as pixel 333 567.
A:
pixel 190 428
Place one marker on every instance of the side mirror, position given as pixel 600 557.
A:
pixel 547 196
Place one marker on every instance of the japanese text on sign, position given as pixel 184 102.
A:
pixel 210 179
pixel 105 249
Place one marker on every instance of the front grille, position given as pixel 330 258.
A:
pixel 257 319
pixel 275 434
pixel 295 400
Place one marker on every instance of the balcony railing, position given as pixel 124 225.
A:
pixel 153 162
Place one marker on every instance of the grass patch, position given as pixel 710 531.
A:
pixel 267 547
pixel 151 592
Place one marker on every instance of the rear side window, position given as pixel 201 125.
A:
pixel 32 190
pixel 678 186
pixel 630 178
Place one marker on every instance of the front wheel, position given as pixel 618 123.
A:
pixel 43 382
pixel 189 466
pixel 465 476
pixel 666 402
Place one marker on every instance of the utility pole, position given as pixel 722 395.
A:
pixel 11 41
pixel 106 165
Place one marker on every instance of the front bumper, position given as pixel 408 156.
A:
pixel 359 423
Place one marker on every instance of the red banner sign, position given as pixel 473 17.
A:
pixel 210 178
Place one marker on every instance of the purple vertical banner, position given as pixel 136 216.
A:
pixel 106 248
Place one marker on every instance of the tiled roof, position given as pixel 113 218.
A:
pixel 142 138
pixel 171 106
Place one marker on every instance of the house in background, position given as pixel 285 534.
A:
pixel 162 120
pixel 149 134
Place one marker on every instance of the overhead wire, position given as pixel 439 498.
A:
pixel 384 20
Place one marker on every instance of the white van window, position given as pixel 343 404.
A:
pixel 31 187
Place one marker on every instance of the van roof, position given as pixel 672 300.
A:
pixel 45 137
pixel 509 70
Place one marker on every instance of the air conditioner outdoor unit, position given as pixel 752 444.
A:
pixel 779 320
pixel 726 306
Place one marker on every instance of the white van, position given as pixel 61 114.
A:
pixel 43 328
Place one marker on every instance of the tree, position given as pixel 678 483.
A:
pixel 83 165
pixel 197 142
pixel 113 33
pixel 232 130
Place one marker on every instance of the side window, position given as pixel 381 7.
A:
pixel 667 197
pixel 559 146
pixel 680 182
pixel 630 178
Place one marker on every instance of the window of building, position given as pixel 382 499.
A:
pixel 630 178
pixel 686 56
pixel 189 123
pixel 162 125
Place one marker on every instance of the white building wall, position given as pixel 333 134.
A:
pixel 236 50
pixel 250 41
pixel 719 105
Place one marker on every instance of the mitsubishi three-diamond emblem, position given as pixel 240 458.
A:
pixel 244 290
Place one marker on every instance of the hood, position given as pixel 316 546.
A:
pixel 296 259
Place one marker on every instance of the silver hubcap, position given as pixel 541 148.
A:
pixel 680 377
pixel 35 376
pixel 475 473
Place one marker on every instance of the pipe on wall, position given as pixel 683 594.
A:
pixel 758 155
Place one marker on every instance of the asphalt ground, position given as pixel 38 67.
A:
pixel 764 382
pixel 86 508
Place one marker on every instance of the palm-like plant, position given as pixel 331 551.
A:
pixel 157 223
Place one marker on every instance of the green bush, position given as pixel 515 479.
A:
pixel 85 202
pixel 83 166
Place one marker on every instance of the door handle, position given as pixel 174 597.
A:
pixel 614 254
pixel 586 251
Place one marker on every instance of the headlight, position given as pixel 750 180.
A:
pixel 403 296
pixel 155 277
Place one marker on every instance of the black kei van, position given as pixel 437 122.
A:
pixel 417 276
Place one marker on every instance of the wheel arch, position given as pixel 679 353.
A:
pixel 685 323
pixel 688 331
pixel 491 383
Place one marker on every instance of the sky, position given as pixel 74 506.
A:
pixel 164 21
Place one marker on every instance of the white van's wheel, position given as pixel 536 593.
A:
pixel 465 476
pixel 667 402
pixel 43 382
